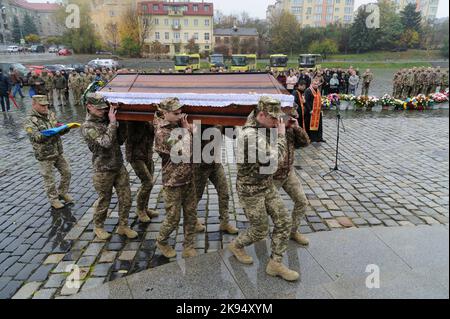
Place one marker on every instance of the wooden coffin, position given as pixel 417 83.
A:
pixel 215 99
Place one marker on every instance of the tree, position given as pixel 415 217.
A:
pixel 32 38
pixel 284 32
pixel 53 41
pixel 391 28
pixel 444 49
pixel 410 18
pixel 361 37
pixel 249 46
pixel 235 45
pixel 130 47
pixel 135 27
pixel 112 35
pixel 325 47
pixel 84 39
pixel 28 26
pixel 16 33
pixel 409 39
pixel 191 47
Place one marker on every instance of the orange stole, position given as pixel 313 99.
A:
pixel 317 109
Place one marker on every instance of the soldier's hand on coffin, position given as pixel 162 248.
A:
pixel 112 115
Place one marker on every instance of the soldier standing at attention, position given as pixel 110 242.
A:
pixel 214 172
pixel 139 152
pixel 102 138
pixel 48 83
pixel 367 79
pixel 287 178
pixel 257 193
pixel 179 190
pixel 49 151
pixel 73 84
pixel 59 83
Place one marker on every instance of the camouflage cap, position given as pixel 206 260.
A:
pixel 97 101
pixel 40 99
pixel 170 105
pixel 270 106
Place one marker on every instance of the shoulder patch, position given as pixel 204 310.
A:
pixel 92 133
pixel 29 130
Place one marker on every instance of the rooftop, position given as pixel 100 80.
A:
pixel 37 6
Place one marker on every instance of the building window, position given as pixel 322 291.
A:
pixel 176 35
pixel 155 7
pixel 207 23
pixel 186 36
pixel 196 22
pixel 157 36
pixel 156 21
pixel 206 47
pixel 186 22
pixel 206 36
pixel 167 36
pixel 144 8
pixel 218 39
pixel 206 7
pixel 166 21
pixel 195 7
pixel 196 36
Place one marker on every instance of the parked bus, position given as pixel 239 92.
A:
pixel 243 62
pixel 216 61
pixel 184 61
pixel 279 62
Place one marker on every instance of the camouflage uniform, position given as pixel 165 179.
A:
pixel 397 85
pixel 38 84
pixel 257 193
pixel 367 79
pixel 139 152
pixel 422 83
pixel 179 190
pixel 287 178
pixel 48 83
pixel 104 140
pixel 59 83
pixel 75 85
pixel 409 84
pixel 215 172
pixel 48 150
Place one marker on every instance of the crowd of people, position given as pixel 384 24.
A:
pixel 338 81
pixel 412 82
pixel 60 84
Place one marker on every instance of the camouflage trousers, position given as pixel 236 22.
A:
pixel 175 199
pixel 365 89
pixel 76 94
pixel 398 89
pixel 47 171
pixel 104 182
pixel 216 174
pixel 258 207
pixel 145 172
pixel 60 96
pixel 50 96
pixel 293 187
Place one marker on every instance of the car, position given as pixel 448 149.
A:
pixel 13 49
pixel 53 68
pixel 53 50
pixel 103 52
pixel 24 72
pixel 37 68
pixel 64 52
pixel 78 67
pixel 103 63
pixel 37 48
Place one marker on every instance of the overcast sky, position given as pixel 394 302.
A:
pixel 257 8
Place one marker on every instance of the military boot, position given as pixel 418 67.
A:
pixel 152 213
pixel 189 252
pixel 300 239
pixel 67 198
pixel 166 250
pixel 127 231
pixel 228 228
pixel 199 227
pixel 56 204
pixel 240 254
pixel 142 216
pixel 275 269
pixel 101 233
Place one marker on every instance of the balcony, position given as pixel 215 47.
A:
pixel 175 13
pixel 176 27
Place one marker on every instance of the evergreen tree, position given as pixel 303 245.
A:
pixel 411 19
pixel 361 37
pixel 16 34
pixel 28 26
pixel 391 28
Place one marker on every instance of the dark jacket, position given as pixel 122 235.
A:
pixel 5 85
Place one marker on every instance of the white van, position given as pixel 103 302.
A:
pixel 107 63
pixel 12 49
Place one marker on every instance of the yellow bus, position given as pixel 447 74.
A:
pixel 184 61
pixel 279 62
pixel 243 62
pixel 216 61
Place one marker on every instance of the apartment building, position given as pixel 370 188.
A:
pixel 316 13
pixel 173 24
pixel 428 8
